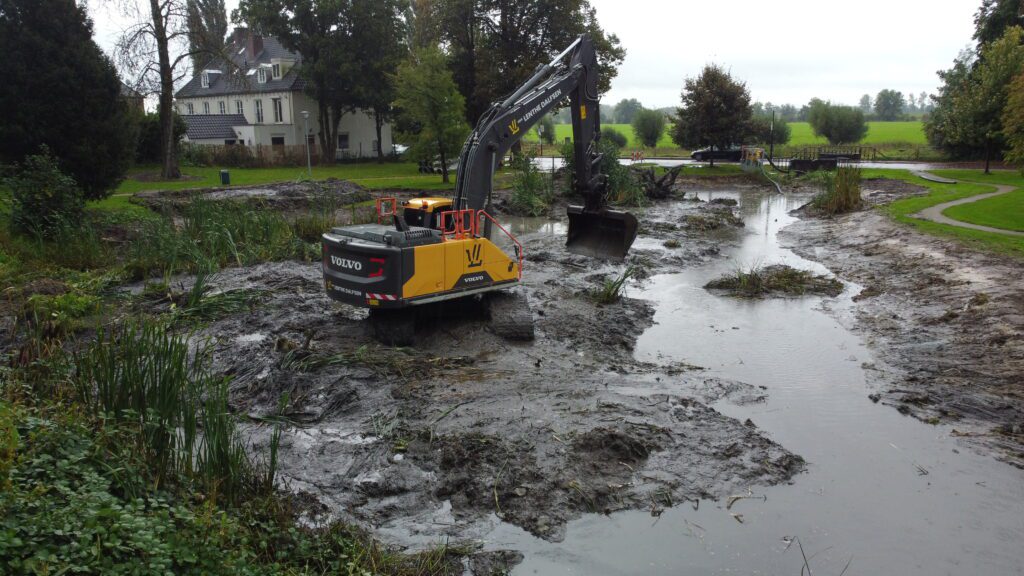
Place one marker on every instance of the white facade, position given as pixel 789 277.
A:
pixel 276 118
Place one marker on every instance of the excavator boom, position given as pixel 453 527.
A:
pixel 594 229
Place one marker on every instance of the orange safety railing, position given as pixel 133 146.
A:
pixel 386 208
pixel 458 224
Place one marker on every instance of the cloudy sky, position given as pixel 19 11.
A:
pixel 787 51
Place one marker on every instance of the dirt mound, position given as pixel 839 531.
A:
pixel 283 196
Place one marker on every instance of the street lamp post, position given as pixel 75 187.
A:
pixel 309 161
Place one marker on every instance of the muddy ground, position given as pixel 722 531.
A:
pixel 946 322
pixel 443 439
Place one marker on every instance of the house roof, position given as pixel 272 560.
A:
pixel 129 92
pixel 244 65
pixel 213 126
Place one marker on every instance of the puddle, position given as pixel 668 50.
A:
pixel 883 494
pixel 554 163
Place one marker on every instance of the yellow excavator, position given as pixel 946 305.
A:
pixel 433 249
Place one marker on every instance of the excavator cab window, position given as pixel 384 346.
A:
pixel 417 217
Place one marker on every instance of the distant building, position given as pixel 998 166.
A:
pixel 261 103
pixel 133 98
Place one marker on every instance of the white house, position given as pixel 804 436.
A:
pixel 263 101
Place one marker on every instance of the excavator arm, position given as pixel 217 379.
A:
pixel 594 230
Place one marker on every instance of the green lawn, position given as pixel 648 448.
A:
pixel 1005 212
pixel 879 134
pixel 902 209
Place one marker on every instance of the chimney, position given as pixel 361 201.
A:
pixel 255 45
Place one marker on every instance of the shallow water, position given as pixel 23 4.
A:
pixel 554 163
pixel 883 493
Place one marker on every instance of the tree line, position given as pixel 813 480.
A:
pixel 979 110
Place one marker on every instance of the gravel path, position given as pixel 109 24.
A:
pixel 935 213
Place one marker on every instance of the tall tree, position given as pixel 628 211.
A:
pixel 715 110
pixel 889 104
pixel 983 103
pixel 378 42
pixel 626 110
pixel 155 50
pixel 922 101
pixel 207 29
pixel 60 90
pixel 495 45
pixel 1013 122
pixel 865 104
pixel 431 108
pixel 941 126
pixel 994 17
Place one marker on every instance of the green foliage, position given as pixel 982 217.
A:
pixel 151 384
pixel 60 90
pixel 841 192
pixel 993 18
pixel 43 198
pixel 648 126
pixel 546 129
pixel 532 191
pixel 762 133
pixel 494 48
pixel 622 187
pixel 889 105
pixel 969 111
pixel 611 289
pixel 1013 122
pixel 148 147
pixel 616 137
pixel 781 279
pixel 715 110
pixel 214 234
pixel 838 124
pixel 432 107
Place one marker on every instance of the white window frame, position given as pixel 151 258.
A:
pixel 191 108
pixel 239 107
pixel 348 141
pixel 206 108
pixel 278 110
pixel 205 80
pixel 276 70
pixel 223 107
pixel 259 111
pixel 261 75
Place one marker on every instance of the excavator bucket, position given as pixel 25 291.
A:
pixel 604 234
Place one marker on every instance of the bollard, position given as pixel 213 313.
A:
pixel 225 178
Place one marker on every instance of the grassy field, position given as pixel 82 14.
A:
pixel 879 133
pixel 892 135
pixel 901 210
pixel 1005 212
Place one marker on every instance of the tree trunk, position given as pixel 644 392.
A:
pixel 378 124
pixel 988 155
pixel 444 164
pixel 328 133
pixel 169 170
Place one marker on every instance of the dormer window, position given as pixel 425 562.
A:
pixel 261 75
pixel 205 80
pixel 277 71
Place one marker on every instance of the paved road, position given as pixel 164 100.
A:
pixel 935 214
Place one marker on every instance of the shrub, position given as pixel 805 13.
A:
pixel 841 192
pixel 43 197
pixel 148 148
pixel 532 192
pixel 615 136
pixel 648 127
pixel 840 124
pixel 611 290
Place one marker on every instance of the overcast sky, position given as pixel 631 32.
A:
pixel 787 51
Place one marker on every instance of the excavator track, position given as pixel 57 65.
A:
pixel 511 317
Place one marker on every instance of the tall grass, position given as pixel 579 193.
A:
pixel 153 384
pixel 841 192
pixel 611 290
pixel 532 191
pixel 214 234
